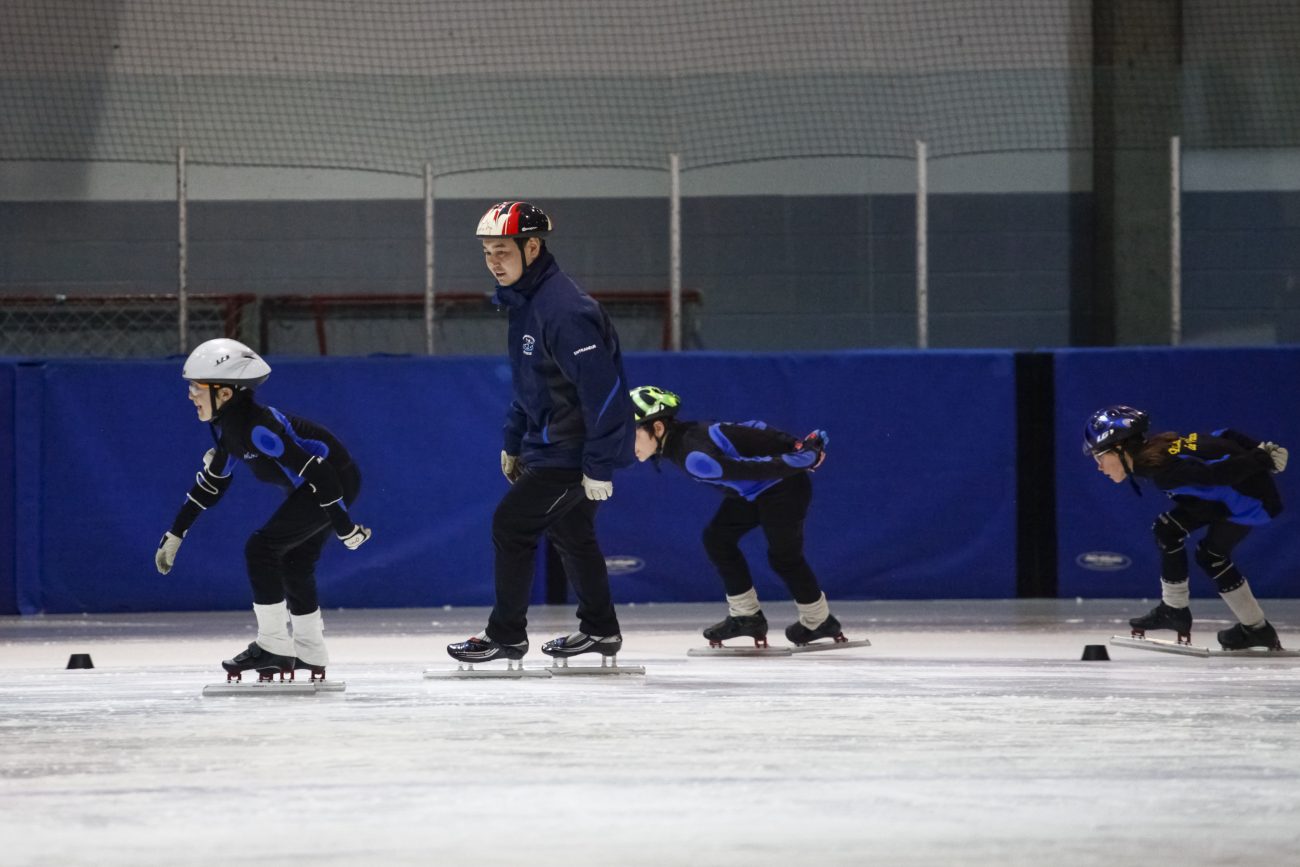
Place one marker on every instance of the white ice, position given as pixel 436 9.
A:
pixel 970 733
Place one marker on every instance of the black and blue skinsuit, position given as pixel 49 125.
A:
pixel 764 476
pixel 320 481
pixel 570 416
pixel 1220 481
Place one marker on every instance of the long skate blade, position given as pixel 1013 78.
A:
pixel 484 673
pixel 288 687
pixel 594 670
pixel 1160 645
pixel 738 651
pixel 1166 646
pixel 830 645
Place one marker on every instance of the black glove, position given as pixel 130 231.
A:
pixel 816 441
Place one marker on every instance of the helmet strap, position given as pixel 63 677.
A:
pixel 214 391
pixel 1128 470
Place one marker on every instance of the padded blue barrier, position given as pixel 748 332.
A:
pixel 8 489
pixel 1104 538
pixel 916 499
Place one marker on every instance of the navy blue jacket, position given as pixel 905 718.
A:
pixel 1224 468
pixel 571 406
pixel 285 450
pixel 743 459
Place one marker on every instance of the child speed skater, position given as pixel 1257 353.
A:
pixel 1220 482
pixel 319 480
pixel 763 474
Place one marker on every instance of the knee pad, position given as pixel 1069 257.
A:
pixel 1170 536
pixel 1220 568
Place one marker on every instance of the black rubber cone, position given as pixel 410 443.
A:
pixel 1095 653
pixel 80 660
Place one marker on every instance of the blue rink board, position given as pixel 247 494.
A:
pixel 916 499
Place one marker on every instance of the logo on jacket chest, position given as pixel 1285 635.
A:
pixel 529 343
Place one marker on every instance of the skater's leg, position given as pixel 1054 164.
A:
pixel 532 504
pixel 574 537
pixel 734 518
pixel 744 604
pixel 781 512
pixel 273 628
pixel 309 639
pixel 1171 530
pixel 1214 555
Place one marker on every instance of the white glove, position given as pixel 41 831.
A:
pixel 510 467
pixel 167 549
pixel 597 490
pixel 1278 455
pixel 356 538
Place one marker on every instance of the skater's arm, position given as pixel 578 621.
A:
pixel 746 452
pixel 271 438
pixel 1233 436
pixel 1228 470
pixel 582 352
pixel 210 483
pixel 515 427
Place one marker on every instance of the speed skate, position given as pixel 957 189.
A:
pixel 268 686
pixel 763 649
pixel 608 666
pixel 514 670
pixel 1164 645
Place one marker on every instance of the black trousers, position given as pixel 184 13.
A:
pixel 780 511
pixel 548 500
pixel 1221 537
pixel 282 555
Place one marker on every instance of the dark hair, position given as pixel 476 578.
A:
pixel 1151 453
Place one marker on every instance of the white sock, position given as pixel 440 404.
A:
pixel 814 614
pixel 1243 605
pixel 272 628
pixel 308 638
pixel 1175 594
pixel 744 605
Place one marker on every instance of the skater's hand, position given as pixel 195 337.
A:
pixel 510 467
pixel 167 549
pixel 356 538
pixel 597 490
pixel 1277 454
pixel 817 441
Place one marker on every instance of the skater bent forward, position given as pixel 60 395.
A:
pixel 320 482
pixel 1220 482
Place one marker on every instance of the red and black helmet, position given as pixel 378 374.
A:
pixel 514 220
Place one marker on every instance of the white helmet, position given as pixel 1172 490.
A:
pixel 226 362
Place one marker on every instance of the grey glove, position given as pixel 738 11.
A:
pixel 510 467
pixel 167 548
pixel 597 490
pixel 1277 454
pixel 356 538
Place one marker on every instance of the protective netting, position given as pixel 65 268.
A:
pixel 392 85
pixel 388 85
pixel 115 326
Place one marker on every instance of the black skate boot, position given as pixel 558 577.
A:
pixel 1165 617
pixel 317 671
pixel 480 648
pixel 1242 637
pixel 581 642
pixel 798 634
pixel 751 625
pixel 254 657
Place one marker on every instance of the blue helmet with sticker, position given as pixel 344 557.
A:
pixel 1107 428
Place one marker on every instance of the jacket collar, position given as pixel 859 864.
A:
pixel 522 290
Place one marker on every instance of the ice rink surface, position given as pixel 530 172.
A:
pixel 970 733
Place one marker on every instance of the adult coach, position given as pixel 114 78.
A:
pixel 568 428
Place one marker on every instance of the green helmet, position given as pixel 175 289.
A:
pixel 650 403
